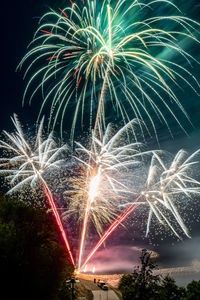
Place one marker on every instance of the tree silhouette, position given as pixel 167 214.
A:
pixel 142 283
pixel 169 290
pixel 192 291
pixel 33 260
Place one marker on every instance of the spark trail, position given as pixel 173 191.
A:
pixel 57 217
pixel 112 227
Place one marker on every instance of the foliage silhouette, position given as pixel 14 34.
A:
pixel 142 284
pixel 34 262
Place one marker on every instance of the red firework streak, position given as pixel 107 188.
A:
pixel 83 234
pixel 47 32
pixel 57 217
pixel 52 57
pixel 64 13
pixel 72 3
pixel 116 72
pixel 66 54
pixel 112 227
pixel 79 81
pixel 75 72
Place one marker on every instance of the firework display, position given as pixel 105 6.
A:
pixel 90 58
pixel 108 67
pixel 108 182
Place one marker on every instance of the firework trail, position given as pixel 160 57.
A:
pixel 24 164
pixel 94 53
pixel 113 226
pixel 165 186
pixel 107 162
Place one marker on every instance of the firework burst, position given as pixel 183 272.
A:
pixel 167 188
pixel 104 178
pixel 92 57
pixel 26 165
pixel 168 185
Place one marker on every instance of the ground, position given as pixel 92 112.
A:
pixel 88 289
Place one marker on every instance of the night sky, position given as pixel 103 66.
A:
pixel 19 22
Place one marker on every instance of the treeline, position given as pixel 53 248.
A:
pixel 33 260
pixel 142 284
